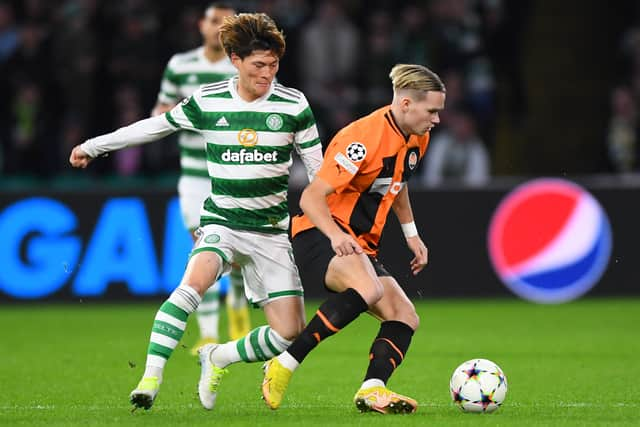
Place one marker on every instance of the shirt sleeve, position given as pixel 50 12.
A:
pixel 343 159
pixel 312 160
pixel 187 114
pixel 141 132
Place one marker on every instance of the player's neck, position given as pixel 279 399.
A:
pixel 396 116
pixel 245 94
pixel 213 54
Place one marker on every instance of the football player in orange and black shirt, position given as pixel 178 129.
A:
pixel 364 175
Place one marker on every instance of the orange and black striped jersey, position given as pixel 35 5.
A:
pixel 367 163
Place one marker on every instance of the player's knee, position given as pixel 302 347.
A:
pixel 413 320
pixel 405 312
pixel 379 291
pixel 410 316
pixel 373 292
pixel 371 295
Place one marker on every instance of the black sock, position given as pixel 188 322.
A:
pixel 334 314
pixel 388 349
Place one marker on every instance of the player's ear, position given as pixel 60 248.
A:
pixel 405 103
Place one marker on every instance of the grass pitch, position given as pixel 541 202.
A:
pixel 570 365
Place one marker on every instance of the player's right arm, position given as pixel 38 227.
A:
pixel 335 174
pixel 313 203
pixel 185 115
pixel 140 132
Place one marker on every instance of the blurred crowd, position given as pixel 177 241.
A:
pixel 623 131
pixel 73 69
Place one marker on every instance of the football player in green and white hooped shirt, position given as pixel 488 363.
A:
pixel 251 125
pixel 184 73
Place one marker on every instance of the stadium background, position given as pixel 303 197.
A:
pixel 538 79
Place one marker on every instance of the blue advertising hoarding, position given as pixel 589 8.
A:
pixel 118 245
pixel 46 251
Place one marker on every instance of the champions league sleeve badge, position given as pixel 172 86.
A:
pixel 356 151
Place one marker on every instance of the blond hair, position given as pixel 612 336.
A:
pixel 246 32
pixel 415 77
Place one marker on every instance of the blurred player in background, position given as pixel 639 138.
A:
pixel 184 73
pixel 251 125
pixel 335 242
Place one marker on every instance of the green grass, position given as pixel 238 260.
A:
pixel 569 365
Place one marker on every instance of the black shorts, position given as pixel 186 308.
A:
pixel 313 252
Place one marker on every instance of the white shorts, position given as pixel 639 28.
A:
pixel 192 191
pixel 266 261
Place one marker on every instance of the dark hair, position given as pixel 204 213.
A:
pixel 246 32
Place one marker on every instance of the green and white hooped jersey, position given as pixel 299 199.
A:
pixel 249 146
pixel 185 73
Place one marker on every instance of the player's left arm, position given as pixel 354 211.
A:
pixel 402 208
pixel 307 140
pixel 312 160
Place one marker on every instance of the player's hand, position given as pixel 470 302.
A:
pixel 421 253
pixel 78 158
pixel 343 244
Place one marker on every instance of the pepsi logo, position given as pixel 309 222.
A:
pixel 549 241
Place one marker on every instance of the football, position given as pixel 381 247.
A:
pixel 478 385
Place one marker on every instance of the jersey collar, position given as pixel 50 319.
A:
pixel 394 125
